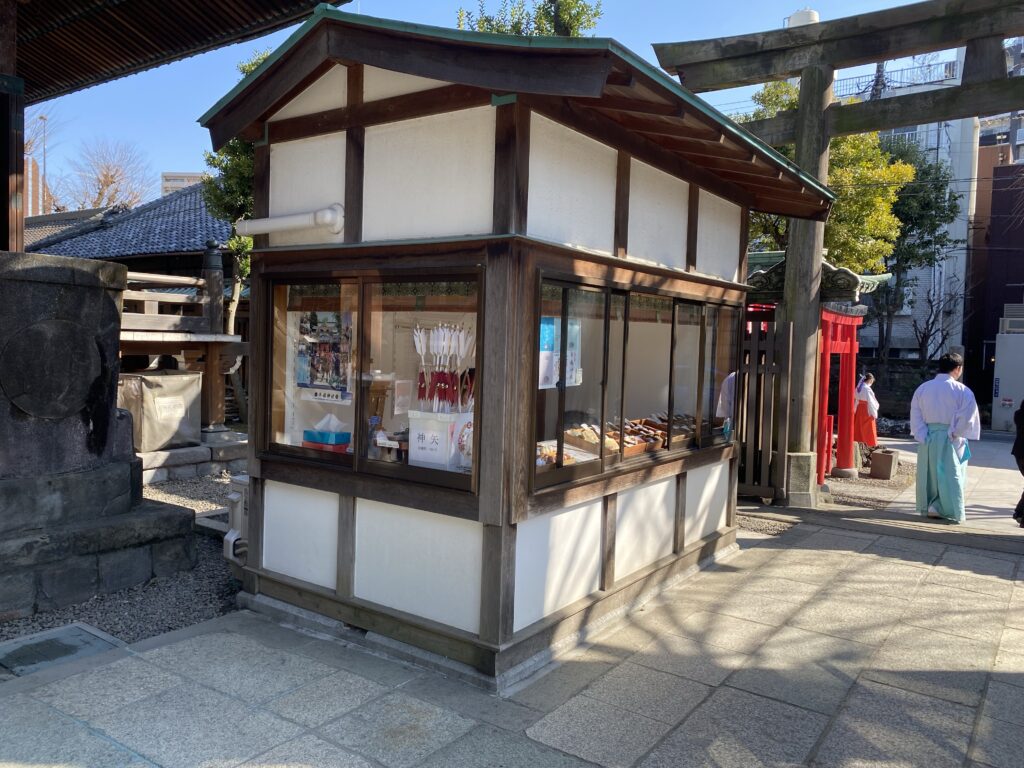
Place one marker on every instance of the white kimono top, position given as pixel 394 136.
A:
pixel 944 400
pixel 866 394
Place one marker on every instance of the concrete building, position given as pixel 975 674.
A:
pixel 172 181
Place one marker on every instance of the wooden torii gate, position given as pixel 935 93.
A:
pixel 813 53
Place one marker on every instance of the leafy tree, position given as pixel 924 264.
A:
pixel 228 196
pixel 862 228
pixel 924 209
pixel 567 18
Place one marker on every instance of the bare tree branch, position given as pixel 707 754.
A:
pixel 107 173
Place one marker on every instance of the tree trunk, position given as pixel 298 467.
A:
pixel 236 295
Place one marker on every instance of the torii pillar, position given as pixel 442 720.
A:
pixel 12 128
pixel 802 290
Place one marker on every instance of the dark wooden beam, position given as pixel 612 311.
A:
pixel 620 245
pixel 907 30
pixel 620 79
pixel 607 131
pixel 633 106
pixel 609 520
pixel 355 146
pixel 692 222
pixel 703 147
pixel 422 104
pixel 741 272
pixel 683 126
pixel 261 189
pixel 511 168
pixel 12 162
pixel 974 100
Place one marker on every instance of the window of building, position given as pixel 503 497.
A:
pixel 721 340
pixel 686 374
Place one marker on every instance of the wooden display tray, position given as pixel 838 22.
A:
pixel 582 444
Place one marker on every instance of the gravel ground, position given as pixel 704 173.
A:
pixel 160 605
pixel 201 494
pixel 866 491
pixel 762 524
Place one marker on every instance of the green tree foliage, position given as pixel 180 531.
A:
pixel 566 18
pixel 924 208
pixel 862 229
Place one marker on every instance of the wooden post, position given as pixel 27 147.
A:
pixel 844 450
pixel 824 447
pixel 213 379
pixel 213 274
pixel 801 304
pixel 12 127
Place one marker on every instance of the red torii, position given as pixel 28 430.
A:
pixel 838 336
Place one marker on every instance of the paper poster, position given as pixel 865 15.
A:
pixel 550 352
pixel 403 396
pixel 323 351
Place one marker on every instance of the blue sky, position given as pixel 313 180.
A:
pixel 158 109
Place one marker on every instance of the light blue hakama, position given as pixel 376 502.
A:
pixel 941 474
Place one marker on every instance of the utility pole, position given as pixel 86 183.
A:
pixel 46 185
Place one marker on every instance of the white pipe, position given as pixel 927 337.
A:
pixel 332 217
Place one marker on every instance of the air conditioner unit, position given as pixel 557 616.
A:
pixel 1011 325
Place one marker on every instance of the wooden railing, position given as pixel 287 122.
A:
pixel 148 308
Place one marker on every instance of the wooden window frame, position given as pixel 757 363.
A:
pixel 557 478
pixel 355 463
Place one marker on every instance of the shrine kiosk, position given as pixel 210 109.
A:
pixel 496 298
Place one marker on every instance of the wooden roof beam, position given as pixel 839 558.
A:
pixel 979 99
pixel 751 59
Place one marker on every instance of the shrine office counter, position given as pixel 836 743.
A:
pixel 496 308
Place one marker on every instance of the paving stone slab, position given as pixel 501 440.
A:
pixel 852 614
pixel 702 662
pixel 991 564
pixel 806 566
pixel 237 665
pixel 624 641
pixel 472 702
pixel 1009 668
pixel 490 747
pixel 1004 702
pixel 598 732
pixel 904 556
pixel 805 668
pixel 326 699
pixel 1012 640
pixel 648 692
pixel 309 751
pixel 910 545
pixel 106 688
pixel 397 730
pixel 934 664
pixel 724 631
pixel 771 586
pixel 986 585
pixel 34 734
pixel 754 607
pixel 190 726
pixel 667 614
pixel 998 744
pixel 882 577
pixel 884 727
pixel 30 654
pixel 736 729
pixel 549 689
pixel 834 540
pixel 339 655
pixel 958 612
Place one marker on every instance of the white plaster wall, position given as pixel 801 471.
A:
pixel 425 564
pixel 330 91
pixel 572 187
pixel 558 561
pixel 306 175
pixel 383 84
pixel 644 525
pixel 718 236
pixel 657 216
pixel 300 533
pixel 430 177
pixel 707 501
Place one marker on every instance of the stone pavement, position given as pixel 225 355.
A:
pixel 994 484
pixel 821 646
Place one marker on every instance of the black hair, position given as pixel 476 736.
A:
pixel 868 376
pixel 949 362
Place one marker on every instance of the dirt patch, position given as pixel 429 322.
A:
pixel 867 491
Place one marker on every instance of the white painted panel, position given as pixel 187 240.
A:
pixel 657 216
pixel 718 236
pixel 558 561
pixel 383 84
pixel 330 91
pixel 572 187
pixel 707 501
pixel 425 564
pixel 300 533
pixel 306 175
pixel 644 523
pixel 430 177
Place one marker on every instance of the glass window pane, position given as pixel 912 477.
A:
pixel 549 367
pixel 616 353
pixel 314 360
pixel 419 379
pixel 720 356
pixel 648 352
pixel 584 368
pixel 686 374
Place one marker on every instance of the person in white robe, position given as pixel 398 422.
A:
pixel 943 417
